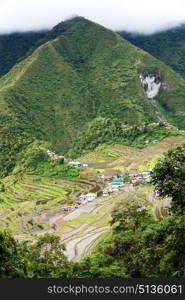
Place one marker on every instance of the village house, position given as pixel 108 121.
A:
pixel 117 181
pixel 75 164
pixel 141 178
pixel 54 155
pixel 154 142
pixel 145 142
pixel 107 177
pixel 78 164
pixel 87 198
pixel 105 194
pixel 141 208
pixel 85 165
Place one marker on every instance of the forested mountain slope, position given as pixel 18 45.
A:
pixel 168 46
pixel 82 72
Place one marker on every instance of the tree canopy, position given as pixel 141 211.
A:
pixel 43 259
pixel 169 177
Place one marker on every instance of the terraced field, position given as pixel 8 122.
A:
pixel 111 160
pixel 32 206
pixel 28 203
pixel 82 230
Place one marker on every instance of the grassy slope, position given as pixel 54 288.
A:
pixel 85 72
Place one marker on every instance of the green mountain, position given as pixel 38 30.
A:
pixel 14 46
pixel 168 46
pixel 83 71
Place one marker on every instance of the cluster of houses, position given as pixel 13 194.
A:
pixel 147 142
pixel 116 187
pixel 143 178
pixel 115 184
pixel 54 155
pixel 70 208
pixel 77 164
pixel 83 199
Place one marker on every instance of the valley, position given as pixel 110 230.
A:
pixel 34 205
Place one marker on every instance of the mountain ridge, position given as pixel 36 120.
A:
pixel 81 75
pixel 14 46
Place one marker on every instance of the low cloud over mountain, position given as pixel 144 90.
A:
pixel 132 15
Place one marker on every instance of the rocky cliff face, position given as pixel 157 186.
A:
pixel 151 83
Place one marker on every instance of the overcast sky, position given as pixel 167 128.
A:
pixel 133 15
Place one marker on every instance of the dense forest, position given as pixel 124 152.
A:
pixel 14 47
pixel 167 45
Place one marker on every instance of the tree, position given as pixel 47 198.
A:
pixel 43 259
pixel 12 257
pixel 169 177
pixel 162 253
pixel 46 258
